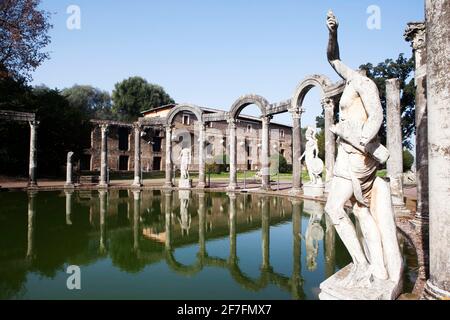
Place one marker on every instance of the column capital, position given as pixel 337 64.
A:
pixel 328 103
pixel 104 127
pixel 137 126
pixel 416 34
pixel 34 124
pixel 297 112
pixel 231 123
pixel 266 119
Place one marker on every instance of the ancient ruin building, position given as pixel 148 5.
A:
pixel 121 142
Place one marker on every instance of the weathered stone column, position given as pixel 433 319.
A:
pixel 104 158
pixel 296 151
pixel 438 99
pixel 137 183
pixel 265 155
pixel 69 194
pixel 169 164
pixel 201 156
pixel 330 140
pixel 394 141
pixel 168 219
pixel 265 229
pixel 32 182
pixel 69 182
pixel 31 220
pixel 233 244
pixel 233 156
pixel 416 34
pixel 103 203
pixel 137 213
pixel 201 224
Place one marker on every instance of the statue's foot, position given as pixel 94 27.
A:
pixel 359 276
pixel 379 272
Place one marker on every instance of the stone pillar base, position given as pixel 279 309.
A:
pixel 201 185
pixel 314 190
pixel 401 211
pixel 103 186
pixel 420 222
pixel 185 184
pixel 295 192
pixel 432 292
pixel 331 289
pixel 69 186
pixel 168 185
pixel 137 185
pixel 32 185
pixel 232 187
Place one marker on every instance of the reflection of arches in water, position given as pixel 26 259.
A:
pixel 267 276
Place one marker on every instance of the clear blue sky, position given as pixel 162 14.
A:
pixel 211 52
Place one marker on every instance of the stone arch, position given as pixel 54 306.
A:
pixel 320 81
pixel 247 100
pixel 196 110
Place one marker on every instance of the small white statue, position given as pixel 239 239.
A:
pixel 185 157
pixel 314 164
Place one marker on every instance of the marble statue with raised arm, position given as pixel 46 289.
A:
pixel 377 263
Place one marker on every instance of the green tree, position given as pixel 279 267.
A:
pixel 403 69
pixel 23 35
pixel 93 101
pixel 408 160
pixel 62 128
pixel 134 95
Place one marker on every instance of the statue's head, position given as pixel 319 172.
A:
pixel 310 132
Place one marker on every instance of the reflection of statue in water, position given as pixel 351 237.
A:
pixel 378 257
pixel 185 156
pixel 314 164
pixel 314 233
pixel 185 220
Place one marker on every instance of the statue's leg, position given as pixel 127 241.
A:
pixel 372 237
pixel 341 191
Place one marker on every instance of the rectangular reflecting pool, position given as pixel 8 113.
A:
pixel 168 245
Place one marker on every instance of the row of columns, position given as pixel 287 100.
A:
pixel 328 105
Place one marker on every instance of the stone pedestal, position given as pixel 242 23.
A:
pixel 331 289
pixel 314 190
pixel 185 184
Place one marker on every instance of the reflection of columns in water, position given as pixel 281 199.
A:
pixel 330 248
pixel 168 218
pixel 103 203
pixel 232 217
pixel 69 195
pixel 201 224
pixel 31 219
pixel 265 228
pixel 297 248
pixel 137 211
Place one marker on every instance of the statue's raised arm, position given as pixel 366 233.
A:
pixel 333 48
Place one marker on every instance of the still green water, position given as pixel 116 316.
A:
pixel 174 245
